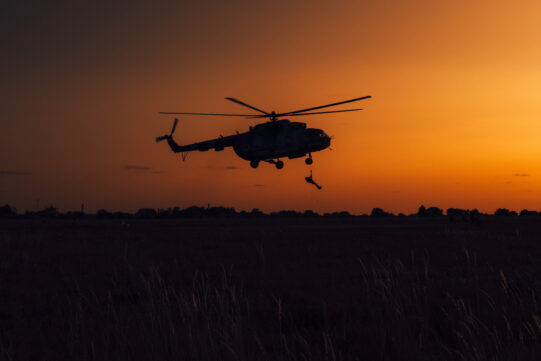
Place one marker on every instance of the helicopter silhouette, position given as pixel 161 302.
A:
pixel 267 142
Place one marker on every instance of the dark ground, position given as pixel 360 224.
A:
pixel 270 289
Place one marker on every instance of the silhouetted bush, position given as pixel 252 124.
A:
pixel 503 212
pixel 527 213
pixel 378 212
pixel 146 213
pixel 163 213
pixel 429 212
pixel 338 214
pixel 193 212
pixel 103 214
pixel 220 212
pixel 49 212
pixel 283 214
pixel 434 212
pixel 7 212
pixel 310 213
pixel 72 215
pixel 457 212
pixel 121 215
pixel 256 213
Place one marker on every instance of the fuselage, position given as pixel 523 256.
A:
pixel 270 140
pixel 277 139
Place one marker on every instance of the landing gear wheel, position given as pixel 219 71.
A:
pixel 279 164
pixel 308 161
pixel 254 163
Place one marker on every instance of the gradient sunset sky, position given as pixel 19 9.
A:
pixel 454 120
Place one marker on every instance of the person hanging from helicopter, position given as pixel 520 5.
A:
pixel 311 181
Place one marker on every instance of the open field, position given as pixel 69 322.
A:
pixel 270 289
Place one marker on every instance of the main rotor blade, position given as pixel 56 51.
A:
pixel 294 115
pixel 324 106
pixel 246 105
pixel 223 115
pixel 331 111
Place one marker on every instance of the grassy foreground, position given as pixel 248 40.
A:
pixel 270 289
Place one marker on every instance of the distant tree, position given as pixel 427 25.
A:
pixel 221 212
pixel 525 213
pixel 256 213
pixel 102 213
pixel 146 213
pixel 502 212
pixel 378 212
pixel 48 212
pixel 310 213
pixel 457 212
pixel 73 214
pixel 121 215
pixel 175 212
pixel 164 213
pixel 7 211
pixel 193 212
pixel 474 217
pixel 434 212
pixel 285 214
pixel 422 211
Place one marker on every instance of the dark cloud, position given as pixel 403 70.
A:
pixel 142 169
pixel 508 182
pixel 8 173
pixel 521 175
pixel 227 167
pixel 136 167
pixel 259 185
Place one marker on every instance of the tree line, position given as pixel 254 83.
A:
pixel 454 214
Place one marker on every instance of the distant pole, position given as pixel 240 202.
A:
pixel 82 208
pixel 37 204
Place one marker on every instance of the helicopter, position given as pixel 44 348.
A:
pixel 265 142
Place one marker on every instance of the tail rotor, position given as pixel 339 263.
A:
pixel 167 136
pixel 174 126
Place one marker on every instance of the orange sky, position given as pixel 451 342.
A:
pixel 454 119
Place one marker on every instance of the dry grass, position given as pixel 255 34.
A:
pixel 269 290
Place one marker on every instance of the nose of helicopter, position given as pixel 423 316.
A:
pixel 327 140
